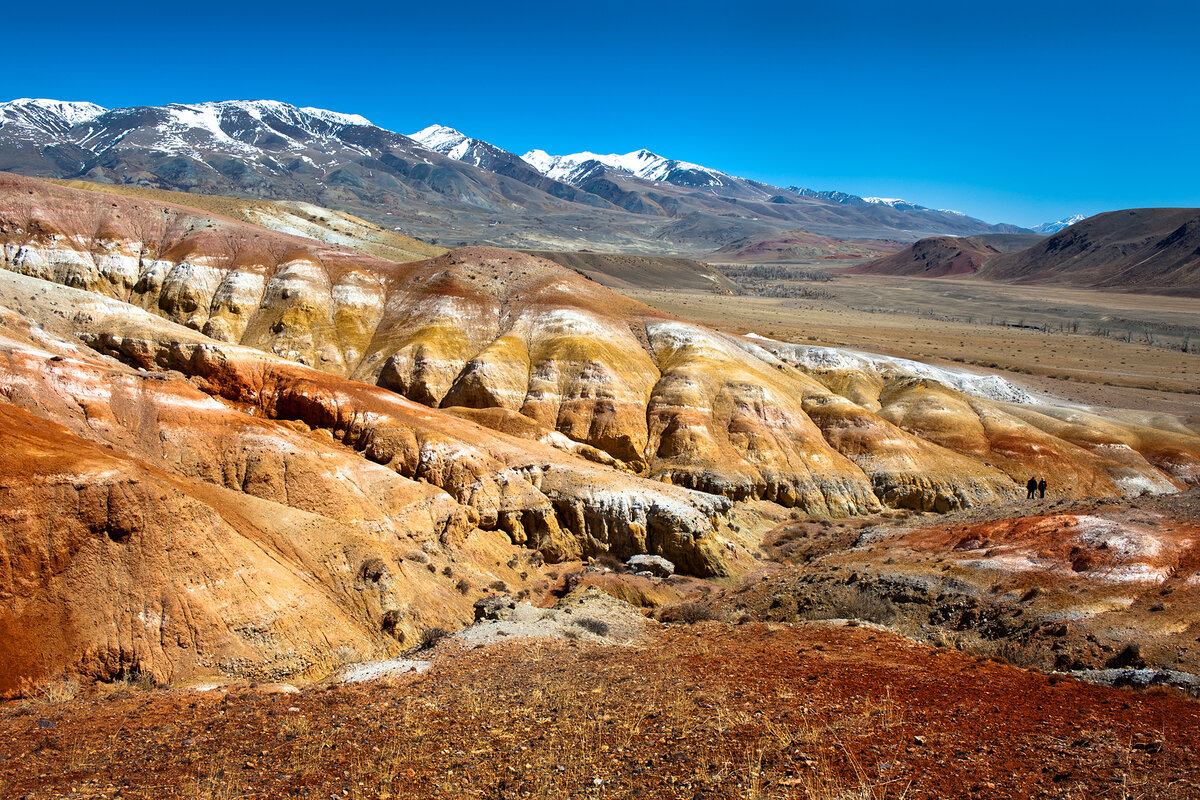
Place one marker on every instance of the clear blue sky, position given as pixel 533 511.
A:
pixel 1011 111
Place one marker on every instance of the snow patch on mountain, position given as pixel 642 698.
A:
pixel 337 117
pixel 1050 228
pixel 639 163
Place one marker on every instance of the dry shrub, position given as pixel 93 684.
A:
pixel 862 605
pixel 592 625
pixel 431 636
pixel 609 561
pixel 688 612
pixel 59 691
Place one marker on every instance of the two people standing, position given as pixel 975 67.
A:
pixel 1036 488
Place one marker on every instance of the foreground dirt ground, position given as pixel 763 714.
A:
pixel 711 710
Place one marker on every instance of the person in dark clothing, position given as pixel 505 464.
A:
pixel 1042 489
pixel 1031 485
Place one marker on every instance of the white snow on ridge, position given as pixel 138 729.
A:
pixel 439 138
pixel 337 117
pixel 1050 228
pixel 38 112
pixel 991 387
pixel 640 163
pixel 451 143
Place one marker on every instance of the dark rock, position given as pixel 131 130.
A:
pixel 494 607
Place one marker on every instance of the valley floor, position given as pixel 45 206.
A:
pixel 711 710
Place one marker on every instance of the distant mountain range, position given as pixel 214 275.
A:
pixel 439 184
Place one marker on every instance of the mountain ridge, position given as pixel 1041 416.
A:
pixel 274 151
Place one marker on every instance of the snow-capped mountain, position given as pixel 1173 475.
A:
pixel 642 164
pixel 53 117
pixel 847 199
pixel 439 184
pixel 454 144
pixel 1051 228
pixel 235 127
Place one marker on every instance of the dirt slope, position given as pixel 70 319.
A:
pixel 622 272
pixel 690 712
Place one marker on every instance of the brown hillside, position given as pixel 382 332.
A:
pixel 943 256
pixel 1147 250
pixel 1151 250
pixel 622 272
pixel 791 246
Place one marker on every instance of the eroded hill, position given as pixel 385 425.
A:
pixel 320 434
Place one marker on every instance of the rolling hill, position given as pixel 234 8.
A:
pixel 1147 250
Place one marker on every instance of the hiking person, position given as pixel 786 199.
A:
pixel 1042 489
pixel 1031 486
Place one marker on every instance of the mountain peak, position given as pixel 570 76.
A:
pixel 436 137
pixel 644 164
pixel 1051 228
pixel 43 112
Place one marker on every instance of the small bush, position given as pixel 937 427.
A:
pixel 592 625
pixel 863 605
pixel 609 561
pixel 688 612
pixel 417 556
pixel 498 586
pixel 447 571
pixel 463 586
pixel 431 636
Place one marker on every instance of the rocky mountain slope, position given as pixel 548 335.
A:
pixel 1151 250
pixel 196 405
pixel 447 186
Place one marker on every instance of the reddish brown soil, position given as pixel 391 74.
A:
pixel 691 712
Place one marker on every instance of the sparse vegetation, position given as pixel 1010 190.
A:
pixel 749 712
pixel 431 636
pixel 688 612
pixel 591 625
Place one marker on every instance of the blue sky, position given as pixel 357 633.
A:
pixel 1019 112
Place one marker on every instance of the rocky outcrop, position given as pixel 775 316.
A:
pixel 196 508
